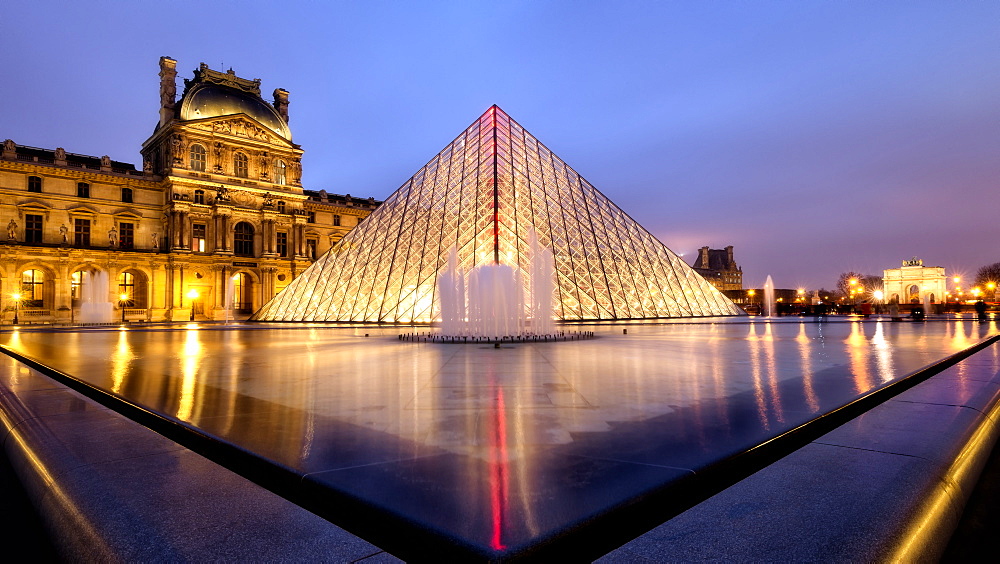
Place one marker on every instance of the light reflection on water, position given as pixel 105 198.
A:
pixel 283 390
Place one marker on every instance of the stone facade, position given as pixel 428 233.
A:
pixel 218 208
pixel 914 283
pixel 719 268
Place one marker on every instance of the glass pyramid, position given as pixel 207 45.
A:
pixel 484 195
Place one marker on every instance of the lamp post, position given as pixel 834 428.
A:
pixel 853 282
pixel 750 295
pixel 122 302
pixel 17 302
pixel 992 287
pixel 192 295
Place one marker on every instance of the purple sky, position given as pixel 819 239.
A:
pixel 815 137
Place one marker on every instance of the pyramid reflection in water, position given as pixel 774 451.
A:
pixel 484 195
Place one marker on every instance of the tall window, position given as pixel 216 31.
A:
pixel 281 206
pixel 81 232
pixel 282 244
pixel 126 235
pixel 242 297
pixel 32 228
pixel 243 239
pixel 197 158
pixel 311 248
pixel 198 237
pixel 34 184
pixel 312 217
pixel 75 283
pixel 336 220
pixel 199 196
pixel 32 283
pixel 280 169
pixel 126 285
pixel 82 190
pixel 240 167
pixel 127 195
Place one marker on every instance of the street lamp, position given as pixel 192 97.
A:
pixel 853 282
pixel 17 301
pixel 192 295
pixel 992 286
pixel 122 302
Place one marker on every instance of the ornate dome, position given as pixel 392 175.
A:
pixel 208 100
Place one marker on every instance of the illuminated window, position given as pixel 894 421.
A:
pixel 75 283
pixel 282 241
pixel 34 184
pixel 199 196
pixel 127 195
pixel 81 232
pixel 197 158
pixel 240 167
pixel 198 237
pixel 126 235
pixel 82 190
pixel 32 228
pixel 126 285
pixel 280 169
pixel 32 284
pixel 242 296
pixel 243 239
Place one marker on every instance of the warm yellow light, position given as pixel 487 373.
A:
pixel 854 281
pixel 751 292
pixel 16 296
pixel 879 295
pixel 193 294
pixel 957 279
pixel 123 297
pixel 975 292
pixel 991 285
pixel 801 291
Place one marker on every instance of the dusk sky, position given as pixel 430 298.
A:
pixel 814 137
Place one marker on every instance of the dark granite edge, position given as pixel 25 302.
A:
pixel 585 540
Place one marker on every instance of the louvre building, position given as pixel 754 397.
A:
pixel 212 225
pixel 484 199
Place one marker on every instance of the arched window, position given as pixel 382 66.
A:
pixel 243 240
pixel 240 167
pixel 197 158
pixel 35 184
pixel 242 296
pixel 126 287
pixel 32 285
pixel 280 169
pixel 133 285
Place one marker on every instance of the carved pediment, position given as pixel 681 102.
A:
pixel 239 127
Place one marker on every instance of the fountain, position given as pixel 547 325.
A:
pixel 769 303
pixel 94 304
pixel 489 303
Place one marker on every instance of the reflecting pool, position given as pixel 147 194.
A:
pixel 498 448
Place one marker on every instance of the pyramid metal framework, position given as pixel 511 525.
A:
pixel 484 195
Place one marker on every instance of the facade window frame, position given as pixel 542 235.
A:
pixel 241 165
pixel 199 196
pixel 34 184
pixel 126 235
pixel 33 228
pixel 127 195
pixel 81 232
pixel 281 243
pixel 33 288
pixel 197 158
pixel 199 234
pixel 243 235
pixel 280 172
pixel 82 190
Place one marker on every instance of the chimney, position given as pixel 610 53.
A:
pixel 168 89
pixel 281 102
pixel 730 263
pixel 703 257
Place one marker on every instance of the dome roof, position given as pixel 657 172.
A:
pixel 208 100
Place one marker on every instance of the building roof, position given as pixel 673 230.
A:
pixel 214 94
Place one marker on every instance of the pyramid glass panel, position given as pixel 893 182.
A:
pixel 484 196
